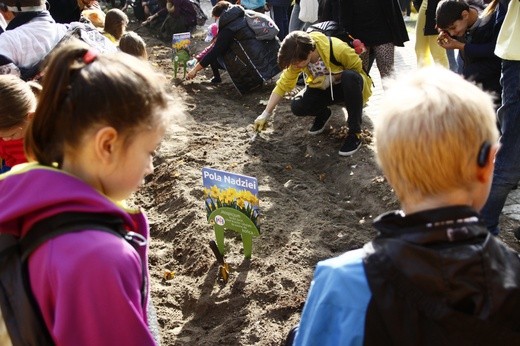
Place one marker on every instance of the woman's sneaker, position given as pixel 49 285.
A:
pixel 319 123
pixel 351 145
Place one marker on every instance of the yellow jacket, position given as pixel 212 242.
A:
pixel 343 53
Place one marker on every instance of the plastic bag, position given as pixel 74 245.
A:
pixel 308 11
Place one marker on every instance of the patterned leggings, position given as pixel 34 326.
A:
pixel 384 57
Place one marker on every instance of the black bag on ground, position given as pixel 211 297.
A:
pixel 19 309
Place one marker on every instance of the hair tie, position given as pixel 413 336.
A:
pixel 90 56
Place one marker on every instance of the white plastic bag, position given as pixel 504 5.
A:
pixel 308 11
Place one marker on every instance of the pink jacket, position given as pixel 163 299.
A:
pixel 87 284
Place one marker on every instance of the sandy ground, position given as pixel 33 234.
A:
pixel 314 205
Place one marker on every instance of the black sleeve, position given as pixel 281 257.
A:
pixel 222 43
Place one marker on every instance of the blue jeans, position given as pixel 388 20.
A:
pixel 452 60
pixel 294 22
pixel 507 163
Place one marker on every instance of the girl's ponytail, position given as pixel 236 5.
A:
pixel 44 141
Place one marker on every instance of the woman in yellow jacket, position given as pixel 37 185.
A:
pixel 329 79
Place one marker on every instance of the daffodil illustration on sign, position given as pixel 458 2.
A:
pixel 231 202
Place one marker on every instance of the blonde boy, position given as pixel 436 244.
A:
pixel 428 145
pixel 433 275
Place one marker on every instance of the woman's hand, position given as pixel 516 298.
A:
pixel 191 74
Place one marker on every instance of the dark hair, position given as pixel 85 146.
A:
pixel 220 8
pixel 17 101
pixel 295 47
pixel 79 93
pixel 133 44
pixel 449 11
pixel 114 20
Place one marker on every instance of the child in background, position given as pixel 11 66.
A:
pixel 210 37
pixel 475 36
pixel 133 44
pixel 115 25
pixel 91 10
pixel 93 137
pixel 16 111
pixel 433 275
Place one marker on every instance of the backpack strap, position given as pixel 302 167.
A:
pixel 332 57
pixel 69 222
pixel 337 63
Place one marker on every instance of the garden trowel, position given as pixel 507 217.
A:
pixel 223 267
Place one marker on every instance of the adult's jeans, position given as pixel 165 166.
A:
pixel 452 60
pixel 294 22
pixel 315 102
pixel 507 162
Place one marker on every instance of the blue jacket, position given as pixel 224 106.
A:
pixel 335 309
pixel 252 4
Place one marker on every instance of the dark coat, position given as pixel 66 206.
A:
pixel 438 277
pixel 480 62
pixel 429 26
pixel 249 62
pixel 64 11
pixel 374 22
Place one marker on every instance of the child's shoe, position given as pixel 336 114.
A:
pixel 215 80
pixel 351 145
pixel 319 123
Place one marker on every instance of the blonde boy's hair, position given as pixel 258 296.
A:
pixel 429 133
